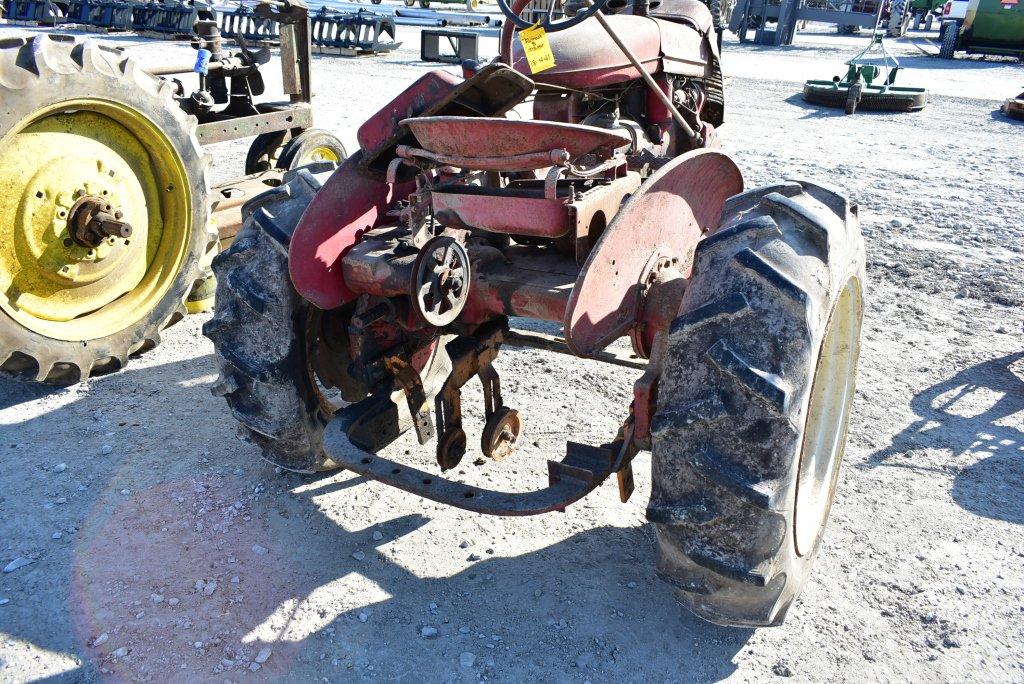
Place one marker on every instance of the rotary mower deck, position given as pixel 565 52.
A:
pixel 355 305
pixel 867 86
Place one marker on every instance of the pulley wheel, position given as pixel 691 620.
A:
pixel 441 281
pixel 501 434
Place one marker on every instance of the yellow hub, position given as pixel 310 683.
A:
pixel 52 284
pixel 320 154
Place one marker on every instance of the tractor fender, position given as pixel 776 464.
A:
pixel 349 204
pixel 672 211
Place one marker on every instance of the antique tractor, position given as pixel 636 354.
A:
pixel 350 312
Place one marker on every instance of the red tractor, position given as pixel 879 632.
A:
pixel 611 212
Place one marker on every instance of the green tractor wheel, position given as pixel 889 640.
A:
pixel 105 216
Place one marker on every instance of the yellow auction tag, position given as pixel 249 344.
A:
pixel 537 49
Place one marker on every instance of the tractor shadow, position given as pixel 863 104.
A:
pixel 321 571
pixel 14 392
pixel 979 411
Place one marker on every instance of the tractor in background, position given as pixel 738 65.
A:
pixel 982 27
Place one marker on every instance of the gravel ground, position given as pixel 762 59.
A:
pixel 142 541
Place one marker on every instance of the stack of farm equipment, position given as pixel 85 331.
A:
pixel 356 32
pixel 154 17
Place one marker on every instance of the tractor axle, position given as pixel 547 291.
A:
pixel 92 220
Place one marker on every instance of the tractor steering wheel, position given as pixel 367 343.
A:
pixel 515 21
pixel 548 22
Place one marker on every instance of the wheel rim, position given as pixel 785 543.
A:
pixel 321 153
pixel 49 282
pixel 828 413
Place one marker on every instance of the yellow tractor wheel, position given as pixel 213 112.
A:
pixel 104 214
pixel 287 151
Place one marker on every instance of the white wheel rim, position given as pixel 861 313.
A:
pixel 828 413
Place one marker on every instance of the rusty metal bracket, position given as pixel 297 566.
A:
pixel 470 355
pixel 419 408
pixel 358 430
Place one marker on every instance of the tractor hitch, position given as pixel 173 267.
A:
pixel 580 472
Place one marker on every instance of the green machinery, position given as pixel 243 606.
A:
pixel 991 27
pixel 923 12
pixel 866 85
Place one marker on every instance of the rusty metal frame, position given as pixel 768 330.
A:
pixel 470 356
pixel 271 118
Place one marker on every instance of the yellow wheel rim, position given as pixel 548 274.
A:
pixel 320 154
pixel 828 416
pixel 55 286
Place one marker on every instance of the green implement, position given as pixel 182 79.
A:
pixel 991 27
pixel 867 86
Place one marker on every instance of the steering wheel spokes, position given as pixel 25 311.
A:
pixel 548 20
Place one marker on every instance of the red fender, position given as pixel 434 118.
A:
pixel 348 205
pixel 670 213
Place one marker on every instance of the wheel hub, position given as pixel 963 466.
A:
pixel 92 220
pixel 87 191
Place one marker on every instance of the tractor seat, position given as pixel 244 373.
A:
pixel 463 139
pixel 585 57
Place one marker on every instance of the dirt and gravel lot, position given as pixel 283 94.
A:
pixel 142 541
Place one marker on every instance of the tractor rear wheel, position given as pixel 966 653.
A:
pixel 262 333
pixel 86 132
pixel 754 401
pixel 282 361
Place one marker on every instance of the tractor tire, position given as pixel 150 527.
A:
pixel 265 151
pixel 259 332
pixel 266 336
pixel 82 121
pixel 282 150
pixel 758 367
pixel 950 34
pixel 309 147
